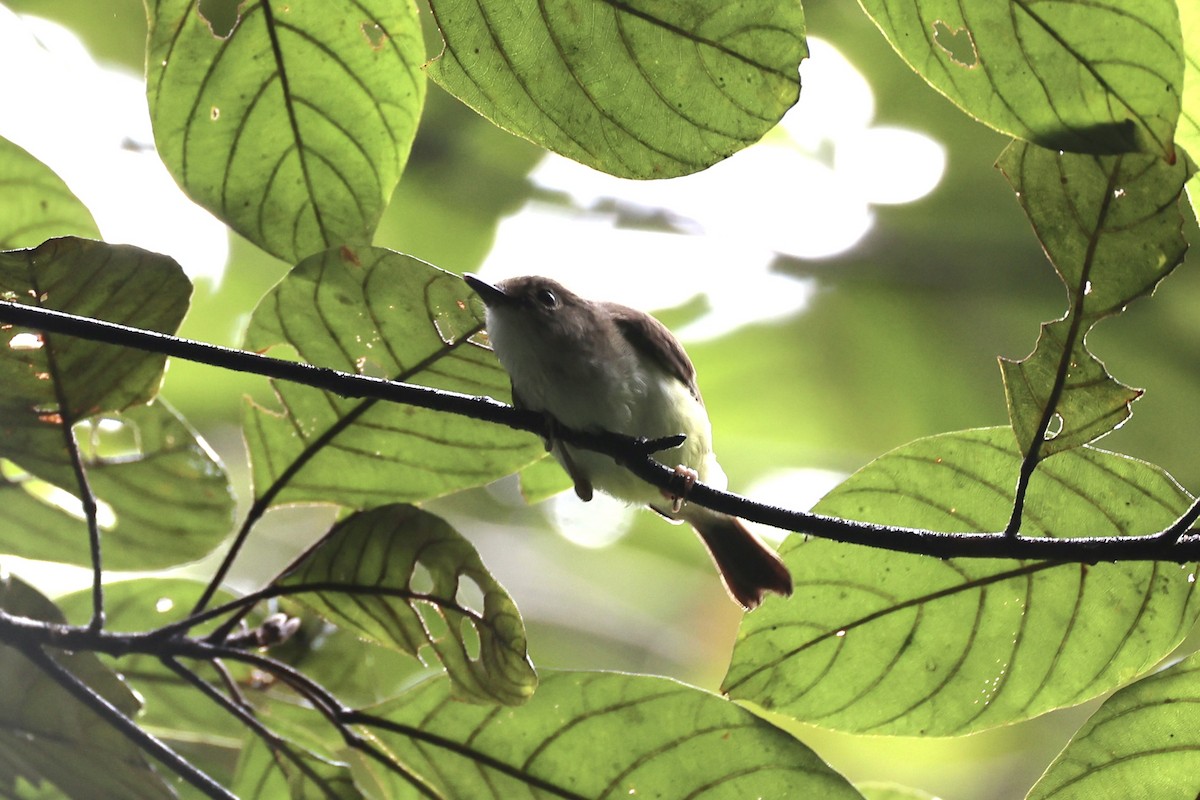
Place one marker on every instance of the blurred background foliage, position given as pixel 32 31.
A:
pixel 899 340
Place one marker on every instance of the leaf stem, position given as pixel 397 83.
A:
pixel 91 515
pixel 1078 296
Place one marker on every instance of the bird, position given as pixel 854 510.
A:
pixel 599 366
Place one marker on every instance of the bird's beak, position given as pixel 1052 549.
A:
pixel 489 294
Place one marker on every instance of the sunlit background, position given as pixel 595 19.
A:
pixel 844 287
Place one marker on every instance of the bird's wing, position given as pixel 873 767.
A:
pixel 652 338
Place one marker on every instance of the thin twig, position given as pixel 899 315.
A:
pixel 91 510
pixel 123 724
pixel 244 714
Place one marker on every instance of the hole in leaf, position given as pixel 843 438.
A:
pixel 59 498
pixel 469 595
pixel 108 439
pixel 434 623
pixel 1055 427
pixel 469 637
pixel 26 341
pixel 376 36
pixel 421 580
pixel 957 43
pixel 221 16
pixel 48 413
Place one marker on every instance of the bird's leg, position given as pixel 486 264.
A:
pixel 583 486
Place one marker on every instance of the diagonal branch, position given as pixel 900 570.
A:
pixel 123 724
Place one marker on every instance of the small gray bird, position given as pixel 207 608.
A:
pixel 594 366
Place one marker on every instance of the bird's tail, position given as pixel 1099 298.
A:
pixel 748 567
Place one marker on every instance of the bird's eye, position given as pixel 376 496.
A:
pixel 547 298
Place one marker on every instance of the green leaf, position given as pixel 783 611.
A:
pixel 297 774
pixel 887 643
pixel 321 651
pixel 293 126
pixel 35 204
pixel 1143 742
pixel 640 89
pixel 384 314
pixel 1094 77
pixel 1188 133
pixel 1091 405
pixel 878 790
pixel 47 735
pixel 1112 227
pixel 117 283
pixel 403 578
pixel 543 479
pixel 165 495
pixel 594 735
pixel 153 474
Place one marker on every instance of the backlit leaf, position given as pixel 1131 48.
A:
pixel 1101 76
pixel 46 734
pixel 294 125
pixel 165 495
pixel 1112 227
pixel 35 204
pixel 291 772
pixel 642 89
pixel 401 577
pixel 379 313
pixel 172 710
pixel 888 643
pixel 1188 133
pixel 594 735
pixel 1143 742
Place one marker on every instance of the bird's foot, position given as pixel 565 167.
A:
pixel 688 477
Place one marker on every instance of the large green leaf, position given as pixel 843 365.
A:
pixel 35 204
pixel 293 127
pixel 887 643
pixel 384 314
pixel 165 494
pixel 1112 227
pixel 593 735
pixel 117 283
pixel 1101 76
pixel 47 735
pixel 1143 742
pixel 1188 133
pixel 376 573
pixel 640 89
pixel 291 771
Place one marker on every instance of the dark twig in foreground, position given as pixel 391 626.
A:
pixel 113 716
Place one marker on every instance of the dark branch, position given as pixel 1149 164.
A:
pixel 91 515
pixel 1171 544
pixel 113 716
